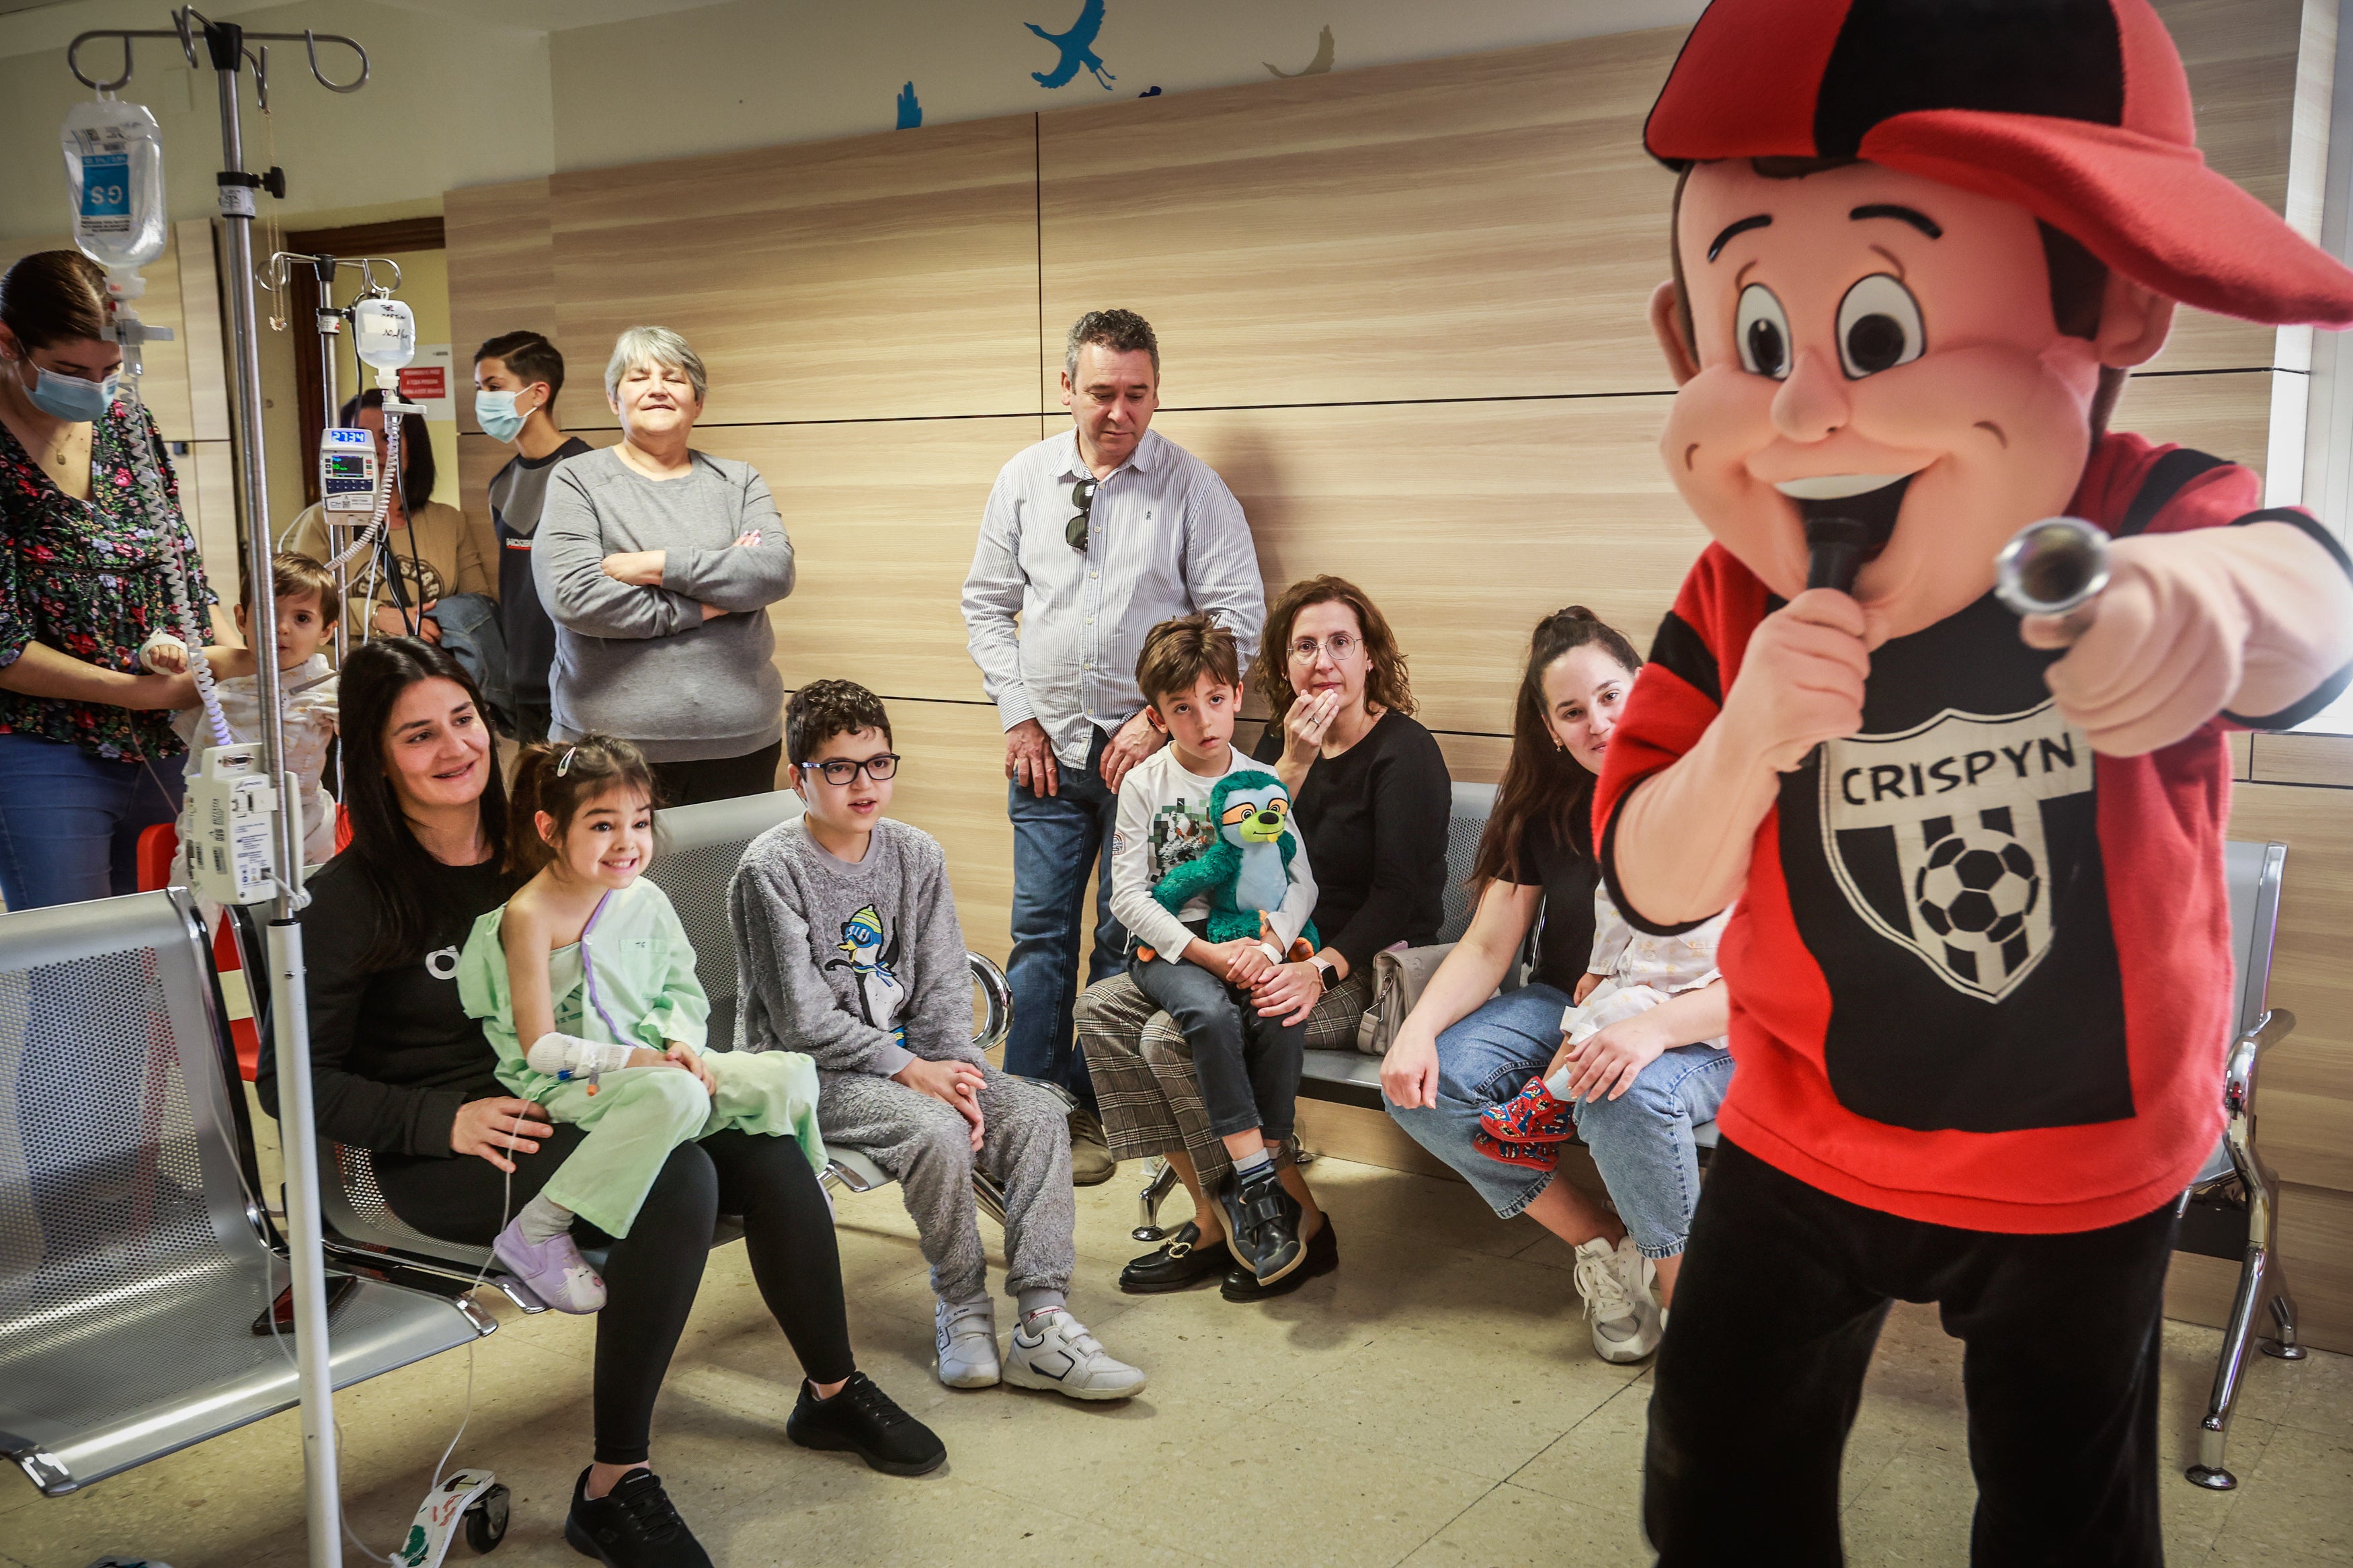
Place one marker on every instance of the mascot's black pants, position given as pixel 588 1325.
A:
pixel 1777 1312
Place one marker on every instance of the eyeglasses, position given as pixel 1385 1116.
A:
pixel 1082 496
pixel 841 771
pixel 1339 645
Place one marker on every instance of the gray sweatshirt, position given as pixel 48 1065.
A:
pixel 861 966
pixel 641 663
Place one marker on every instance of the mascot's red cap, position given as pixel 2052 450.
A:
pixel 2075 109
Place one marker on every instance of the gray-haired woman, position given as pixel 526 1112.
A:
pixel 658 563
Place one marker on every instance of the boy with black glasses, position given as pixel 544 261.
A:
pixel 848 949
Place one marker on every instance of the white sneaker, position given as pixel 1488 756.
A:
pixel 1053 1350
pixel 966 1340
pixel 1614 1282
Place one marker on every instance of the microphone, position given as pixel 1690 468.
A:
pixel 1834 551
pixel 2055 567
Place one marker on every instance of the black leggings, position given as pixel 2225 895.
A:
pixel 718 778
pixel 651 1275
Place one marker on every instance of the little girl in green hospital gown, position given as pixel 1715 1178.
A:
pixel 585 984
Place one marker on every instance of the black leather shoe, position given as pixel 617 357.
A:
pixel 863 1420
pixel 1181 1262
pixel 1322 1256
pixel 1261 1224
pixel 632 1526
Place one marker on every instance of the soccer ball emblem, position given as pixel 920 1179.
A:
pixel 1975 890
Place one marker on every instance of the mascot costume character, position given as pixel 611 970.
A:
pixel 1978 967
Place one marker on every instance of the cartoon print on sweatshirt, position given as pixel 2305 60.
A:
pixel 873 962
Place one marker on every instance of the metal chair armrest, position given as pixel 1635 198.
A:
pixel 2239 1071
pixel 997 994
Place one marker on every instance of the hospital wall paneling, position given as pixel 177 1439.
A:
pixel 882 277
pixel 1402 312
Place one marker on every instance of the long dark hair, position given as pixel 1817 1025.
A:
pixel 418 474
pixel 1385 685
pixel 1544 781
pixel 382 850
pixel 559 778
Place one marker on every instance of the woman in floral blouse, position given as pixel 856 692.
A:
pixel 87 759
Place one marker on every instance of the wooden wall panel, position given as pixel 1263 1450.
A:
pixel 882 277
pixel 204 349
pixel 501 251
pixel 1464 227
pixel 2225 413
pixel 951 785
pixel 2303 760
pixel 883 517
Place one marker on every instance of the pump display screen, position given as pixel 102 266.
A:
pixel 342 465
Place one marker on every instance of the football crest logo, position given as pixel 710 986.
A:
pixel 1957 804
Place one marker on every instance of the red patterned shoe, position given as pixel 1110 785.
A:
pixel 1531 1116
pixel 1535 1156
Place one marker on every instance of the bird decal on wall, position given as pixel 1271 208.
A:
pixel 1317 67
pixel 1078 47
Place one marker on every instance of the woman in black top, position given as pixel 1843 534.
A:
pixel 1368 789
pixel 399 1068
pixel 1464 1048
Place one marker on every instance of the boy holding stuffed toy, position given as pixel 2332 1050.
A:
pixel 1247 1061
pixel 1979 964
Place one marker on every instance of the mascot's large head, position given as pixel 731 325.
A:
pixel 1917 246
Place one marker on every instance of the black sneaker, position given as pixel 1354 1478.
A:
pixel 1181 1262
pixel 1261 1224
pixel 863 1420
pixel 632 1526
pixel 1322 1256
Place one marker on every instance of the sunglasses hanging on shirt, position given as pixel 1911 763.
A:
pixel 1082 496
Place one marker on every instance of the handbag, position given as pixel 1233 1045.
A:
pixel 1399 975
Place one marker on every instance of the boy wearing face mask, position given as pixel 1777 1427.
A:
pixel 516 378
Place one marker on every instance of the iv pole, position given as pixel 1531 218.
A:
pixel 225 47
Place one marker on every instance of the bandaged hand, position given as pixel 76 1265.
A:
pixel 163 654
pixel 569 1056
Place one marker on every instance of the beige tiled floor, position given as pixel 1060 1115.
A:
pixel 1373 1395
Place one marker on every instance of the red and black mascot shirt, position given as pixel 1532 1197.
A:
pixel 1979 976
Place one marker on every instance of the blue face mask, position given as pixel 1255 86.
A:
pixel 70 398
pixel 497 415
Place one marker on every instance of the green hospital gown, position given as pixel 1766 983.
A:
pixel 644 994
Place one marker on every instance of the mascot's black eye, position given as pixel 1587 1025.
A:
pixel 1762 329
pixel 1878 327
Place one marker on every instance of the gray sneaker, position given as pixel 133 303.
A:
pixel 966 1337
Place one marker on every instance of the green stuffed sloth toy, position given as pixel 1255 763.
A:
pixel 1246 871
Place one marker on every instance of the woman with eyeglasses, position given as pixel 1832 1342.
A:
pixel 1370 797
pixel 658 563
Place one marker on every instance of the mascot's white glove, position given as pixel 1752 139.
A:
pixel 569 1056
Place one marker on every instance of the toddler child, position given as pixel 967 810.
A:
pixel 848 946
pixel 306 603
pixel 1248 1063
pixel 588 962
pixel 1630 972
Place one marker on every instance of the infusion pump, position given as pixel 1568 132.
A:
pixel 347 470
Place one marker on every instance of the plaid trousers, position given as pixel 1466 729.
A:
pixel 1142 1068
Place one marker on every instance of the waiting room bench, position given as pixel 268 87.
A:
pixel 697 849
pixel 135 1253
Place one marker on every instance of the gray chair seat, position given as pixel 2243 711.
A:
pixel 135 1257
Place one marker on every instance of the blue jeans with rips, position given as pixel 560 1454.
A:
pixel 1640 1141
pixel 1057 839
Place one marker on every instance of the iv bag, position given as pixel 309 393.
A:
pixel 384 333
pixel 114 166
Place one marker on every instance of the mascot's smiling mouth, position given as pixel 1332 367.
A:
pixel 1872 500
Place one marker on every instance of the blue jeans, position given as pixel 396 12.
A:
pixel 70 819
pixel 1640 1141
pixel 1057 839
